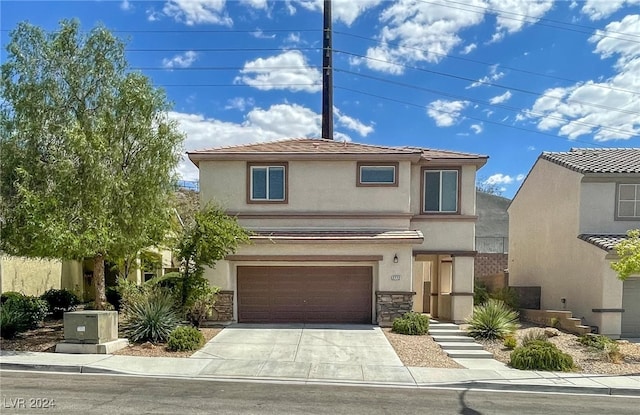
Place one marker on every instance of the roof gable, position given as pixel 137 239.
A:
pixel 597 160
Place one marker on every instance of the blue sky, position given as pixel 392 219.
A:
pixel 505 78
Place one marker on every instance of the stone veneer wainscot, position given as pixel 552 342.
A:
pixel 392 304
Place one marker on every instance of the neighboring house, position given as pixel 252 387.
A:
pixel 570 211
pixel 343 232
pixel 492 234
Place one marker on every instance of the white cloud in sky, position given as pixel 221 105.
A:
pixel 259 34
pixel 494 75
pixel 499 178
pixel 506 23
pixel 469 48
pixel 351 123
pixel 615 115
pixel 346 11
pixel 477 128
pixel 446 113
pixel 183 60
pixel 288 70
pixel 256 4
pixel 126 5
pixel 192 12
pixel 520 177
pixel 500 98
pixel 599 9
pixel 239 103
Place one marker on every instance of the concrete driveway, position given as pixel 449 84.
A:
pixel 311 351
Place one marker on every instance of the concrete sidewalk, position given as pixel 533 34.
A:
pixel 498 378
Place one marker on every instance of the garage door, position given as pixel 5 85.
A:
pixel 631 306
pixel 304 294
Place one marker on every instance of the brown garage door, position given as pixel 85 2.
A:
pixel 304 294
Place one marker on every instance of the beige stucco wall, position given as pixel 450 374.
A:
pixel 544 249
pixel 29 276
pixel 313 186
pixel 598 207
pixel 446 235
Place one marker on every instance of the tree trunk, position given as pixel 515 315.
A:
pixel 98 281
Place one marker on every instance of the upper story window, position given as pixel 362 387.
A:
pixel 377 174
pixel 628 201
pixel 440 190
pixel 267 183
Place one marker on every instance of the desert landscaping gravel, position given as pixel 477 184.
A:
pixel 419 351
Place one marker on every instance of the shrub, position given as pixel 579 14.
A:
pixel 33 308
pixel 480 294
pixel 130 293
pixel 554 322
pixel 151 319
pixel 541 355
pixel 113 297
pixel 185 338
pixel 411 323
pixel 60 301
pixel 609 348
pixel 10 294
pixel 12 320
pixel 534 335
pixel 510 342
pixel 507 295
pixel 202 305
pixel 492 320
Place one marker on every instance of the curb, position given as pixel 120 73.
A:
pixel 469 385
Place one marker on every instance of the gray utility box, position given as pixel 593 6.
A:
pixel 90 327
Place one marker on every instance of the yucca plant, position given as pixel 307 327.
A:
pixel 492 320
pixel 152 318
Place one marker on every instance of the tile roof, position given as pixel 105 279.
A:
pixel 603 241
pixel 597 160
pixel 339 235
pixel 312 146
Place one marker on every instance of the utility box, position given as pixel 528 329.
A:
pixel 90 327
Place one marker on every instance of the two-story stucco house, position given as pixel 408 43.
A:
pixel 343 232
pixel 564 222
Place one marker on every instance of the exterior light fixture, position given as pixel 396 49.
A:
pixel 395 259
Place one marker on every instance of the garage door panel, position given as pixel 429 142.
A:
pixel 305 294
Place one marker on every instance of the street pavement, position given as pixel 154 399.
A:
pixel 323 354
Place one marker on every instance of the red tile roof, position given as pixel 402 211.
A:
pixel 597 160
pixel 606 242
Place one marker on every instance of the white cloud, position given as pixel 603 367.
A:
pixel 520 177
pixel 606 108
pixel 352 124
pixel 469 48
pixel 256 4
pixel 192 12
pixel 346 11
pixel 259 34
pixel 289 71
pixel 239 103
pixel 498 178
pixel 506 9
pixel 477 128
pixel 446 113
pixel 494 75
pixel 501 98
pixel 599 9
pixel 126 5
pixel 184 60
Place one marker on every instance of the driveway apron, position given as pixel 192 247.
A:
pixel 304 351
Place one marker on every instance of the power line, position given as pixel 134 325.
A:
pixel 221 68
pixel 221 50
pixel 459 77
pixel 485 103
pixel 470 60
pixel 471 118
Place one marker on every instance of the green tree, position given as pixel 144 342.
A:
pixel 628 251
pixel 211 236
pixel 88 152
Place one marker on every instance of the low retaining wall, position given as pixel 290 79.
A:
pixel 564 320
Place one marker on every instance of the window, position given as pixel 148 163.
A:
pixel 629 201
pixel 440 191
pixel 268 183
pixel 378 174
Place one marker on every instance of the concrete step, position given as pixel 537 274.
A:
pixel 441 338
pixel 460 345
pixel 446 332
pixel 450 326
pixel 468 354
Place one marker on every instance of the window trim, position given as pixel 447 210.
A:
pixel 423 172
pixel 250 167
pixel 617 216
pixel 361 164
